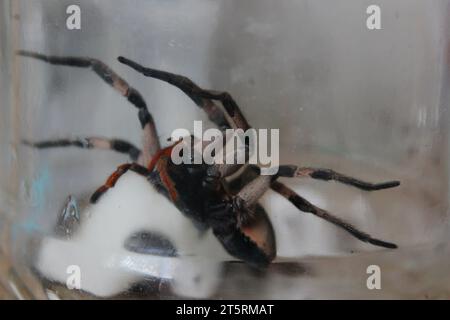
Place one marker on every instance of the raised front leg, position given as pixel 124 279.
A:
pixel 232 117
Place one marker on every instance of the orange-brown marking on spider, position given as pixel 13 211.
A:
pixel 159 161
pixel 259 231
pixel 165 178
pixel 110 182
pixel 257 237
pixel 167 152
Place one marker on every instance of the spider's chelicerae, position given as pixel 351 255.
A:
pixel 200 191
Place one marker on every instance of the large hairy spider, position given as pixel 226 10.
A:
pixel 200 191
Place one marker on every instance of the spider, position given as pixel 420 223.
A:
pixel 202 192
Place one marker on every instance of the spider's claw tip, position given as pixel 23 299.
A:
pixel 389 184
pixel 122 59
pixel 383 244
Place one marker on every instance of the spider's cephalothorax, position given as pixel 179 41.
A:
pixel 201 192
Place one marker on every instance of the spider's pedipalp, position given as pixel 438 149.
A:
pixel 118 145
pixel 305 206
pixel 109 76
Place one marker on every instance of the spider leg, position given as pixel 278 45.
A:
pixel 186 85
pixel 253 190
pixel 304 205
pixel 118 145
pixel 232 117
pixel 112 179
pixel 151 143
pixel 293 171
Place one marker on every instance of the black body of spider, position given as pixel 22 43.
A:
pixel 201 192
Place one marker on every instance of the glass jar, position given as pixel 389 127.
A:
pixel 371 103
